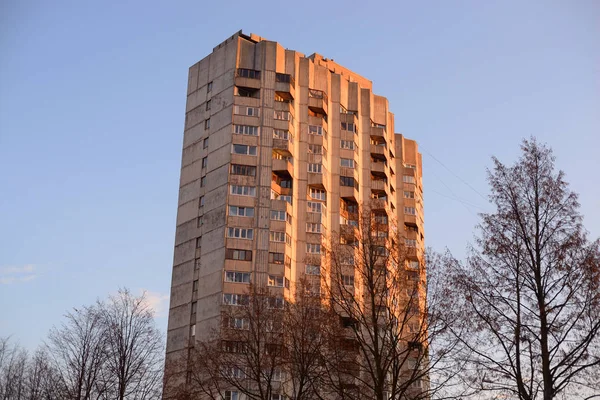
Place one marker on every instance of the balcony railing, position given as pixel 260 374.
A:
pixel 317 94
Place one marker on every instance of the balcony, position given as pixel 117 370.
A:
pixel 317 180
pixel 317 101
pixel 378 150
pixel 283 147
pixel 349 193
pixel 348 117
pixel 283 165
pixel 377 166
pixel 379 204
pixel 247 78
pixel 377 132
pixel 285 86
pixel 379 185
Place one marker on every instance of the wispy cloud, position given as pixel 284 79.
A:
pixel 15 274
pixel 158 302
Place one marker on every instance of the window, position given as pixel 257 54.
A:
pixel 408 179
pixel 233 372
pixel 347 144
pixel 347 260
pixel 413 264
pixel 207 123
pixel 236 211
pixel 208 105
pixel 243 149
pixel 285 78
pixel 203 181
pixel 204 162
pixel 313 227
pixel 236 254
pixel 276 302
pixel 410 210
pixel 276 281
pixel 318 194
pixel 315 130
pixel 195 286
pixel 277 237
pixel 347 163
pixel 315 149
pixel 248 130
pixel 243 110
pixel 201 201
pixel 248 73
pixel 236 323
pixel 278 396
pixel 409 195
pixel 313 248
pixel 410 242
pixel 278 215
pixel 194 307
pixel 315 167
pixel 312 269
pixel 246 92
pixel 237 277
pixel 348 126
pixel 193 330
pixel 282 134
pixel 282 115
pixel 242 190
pixel 199 243
pixel 276 258
pixel 233 346
pixel 240 233
pixel 235 299
pixel 205 144
pixel 209 87
pixel 348 280
pixel 348 181
pixel 381 251
pixel 248 170
pixel 315 207
pixel 285 198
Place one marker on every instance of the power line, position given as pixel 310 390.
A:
pixel 455 175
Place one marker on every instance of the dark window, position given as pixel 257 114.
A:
pixel 236 254
pixel 204 162
pixel 205 144
pixel 209 87
pixel 207 124
pixel 276 258
pixel 248 73
pixel 247 170
pixel 208 105
pixel 348 181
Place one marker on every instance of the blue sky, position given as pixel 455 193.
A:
pixel 92 100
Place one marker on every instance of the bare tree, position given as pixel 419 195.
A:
pixel 528 295
pixel 77 350
pixel 133 360
pixel 246 353
pixel 305 334
pixel 13 366
pixel 377 286
pixel 265 347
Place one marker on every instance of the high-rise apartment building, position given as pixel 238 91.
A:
pixel 279 148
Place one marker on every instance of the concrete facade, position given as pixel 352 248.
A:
pixel 294 142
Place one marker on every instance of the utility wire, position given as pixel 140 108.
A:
pixel 455 175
